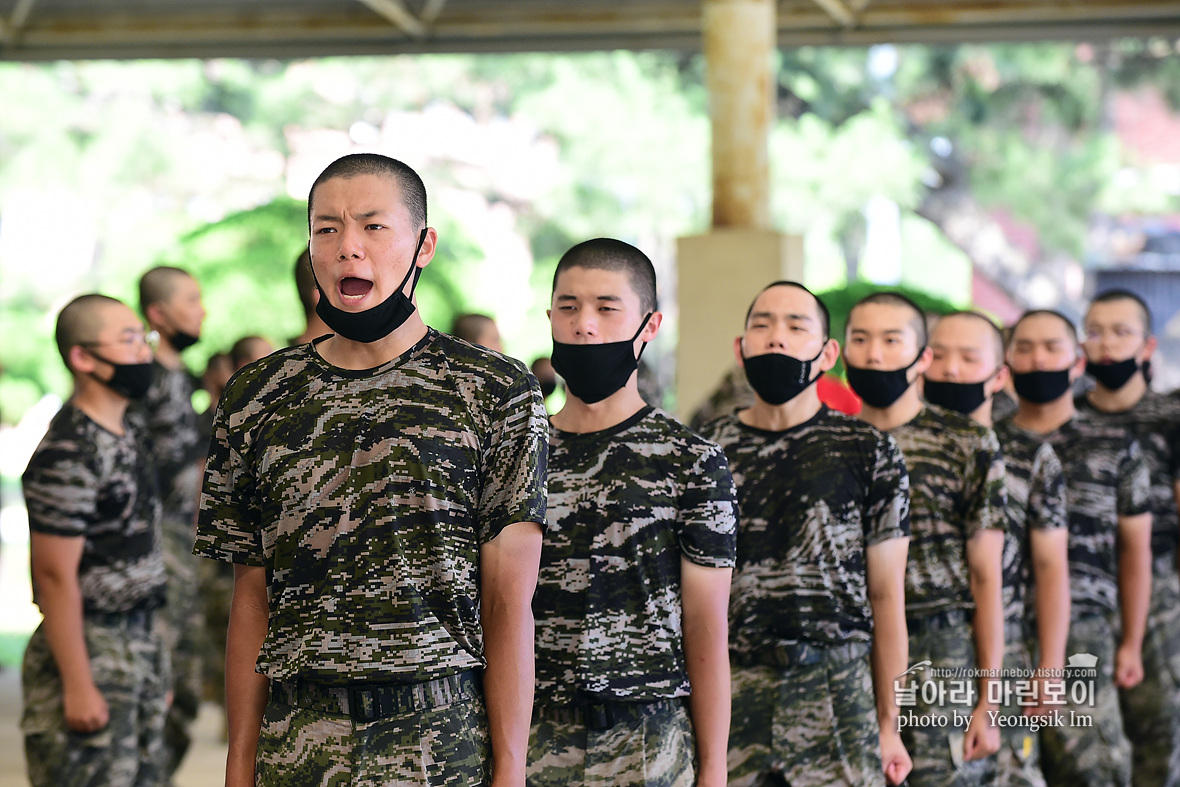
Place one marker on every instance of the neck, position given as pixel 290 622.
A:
pixel 904 410
pixel 778 417
pixel 167 355
pixel 580 418
pixel 347 354
pixel 1044 418
pixel 1123 399
pixel 983 413
pixel 100 404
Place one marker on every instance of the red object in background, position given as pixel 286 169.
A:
pixel 837 395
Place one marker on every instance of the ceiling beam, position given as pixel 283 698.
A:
pixel 431 10
pixel 838 11
pixel 20 13
pixel 396 12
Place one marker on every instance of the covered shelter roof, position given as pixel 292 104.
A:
pixel 34 30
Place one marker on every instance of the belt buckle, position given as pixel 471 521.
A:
pixel 362 703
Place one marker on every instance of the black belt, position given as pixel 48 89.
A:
pixel 801 654
pixel 139 618
pixel 364 702
pixel 599 716
pixel 936 621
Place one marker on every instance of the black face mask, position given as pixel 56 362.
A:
pixel 778 378
pixel 1113 376
pixel 129 379
pixel 381 320
pixel 879 388
pixel 963 398
pixel 592 372
pixel 547 388
pixel 1041 387
pixel 182 341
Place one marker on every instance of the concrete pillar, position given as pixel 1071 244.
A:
pixel 720 272
pixel 739 44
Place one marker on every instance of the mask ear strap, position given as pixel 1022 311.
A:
pixel 414 270
pixel 915 361
pixel 636 336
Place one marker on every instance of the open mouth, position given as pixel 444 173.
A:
pixel 354 289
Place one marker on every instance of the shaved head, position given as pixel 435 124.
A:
pixel 609 254
pixel 158 285
pixel 917 322
pixel 81 321
pixel 1070 328
pixel 994 331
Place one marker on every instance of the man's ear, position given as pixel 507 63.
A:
pixel 429 247
pixel 80 361
pixel 154 315
pixel 829 355
pixel 923 363
pixel 1079 367
pixel 1003 374
pixel 1149 345
pixel 737 351
pixel 652 328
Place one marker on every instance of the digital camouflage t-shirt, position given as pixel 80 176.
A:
pixel 367 496
pixel 1105 478
pixel 83 481
pixel 812 499
pixel 1155 423
pixel 1036 501
pixel 171 421
pixel 956 490
pixel 625 505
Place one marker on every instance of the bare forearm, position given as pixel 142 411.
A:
pixel 508 686
pixel 1053 610
pixel 246 691
pixel 60 599
pixel 890 653
pixel 707 659
pixel 1134 592
pixel 989 631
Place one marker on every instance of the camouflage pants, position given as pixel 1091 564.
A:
pixel 182 628
pixel 937 748
pixel 443 745
pixel 813 724
pixel 1092 751
pixel 129 666
pixel 1151 710
pixel 1018 763
pixel 656 751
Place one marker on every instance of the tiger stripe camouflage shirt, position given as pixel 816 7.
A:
pixel 812 500
pixel 84 481
pixel 1155 422
pixel 367 496
pixel 956 490
pixel 1036 501
pixel 1105 477
pixel 167 409
pixel 625 505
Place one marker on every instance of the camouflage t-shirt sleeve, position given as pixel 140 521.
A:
pixel 228 523
pixel 1046 494
pixel 61 489
pixel 1134 495
pixel 887 506
pixel 514 458
pixel 985 495
pixel 708 510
